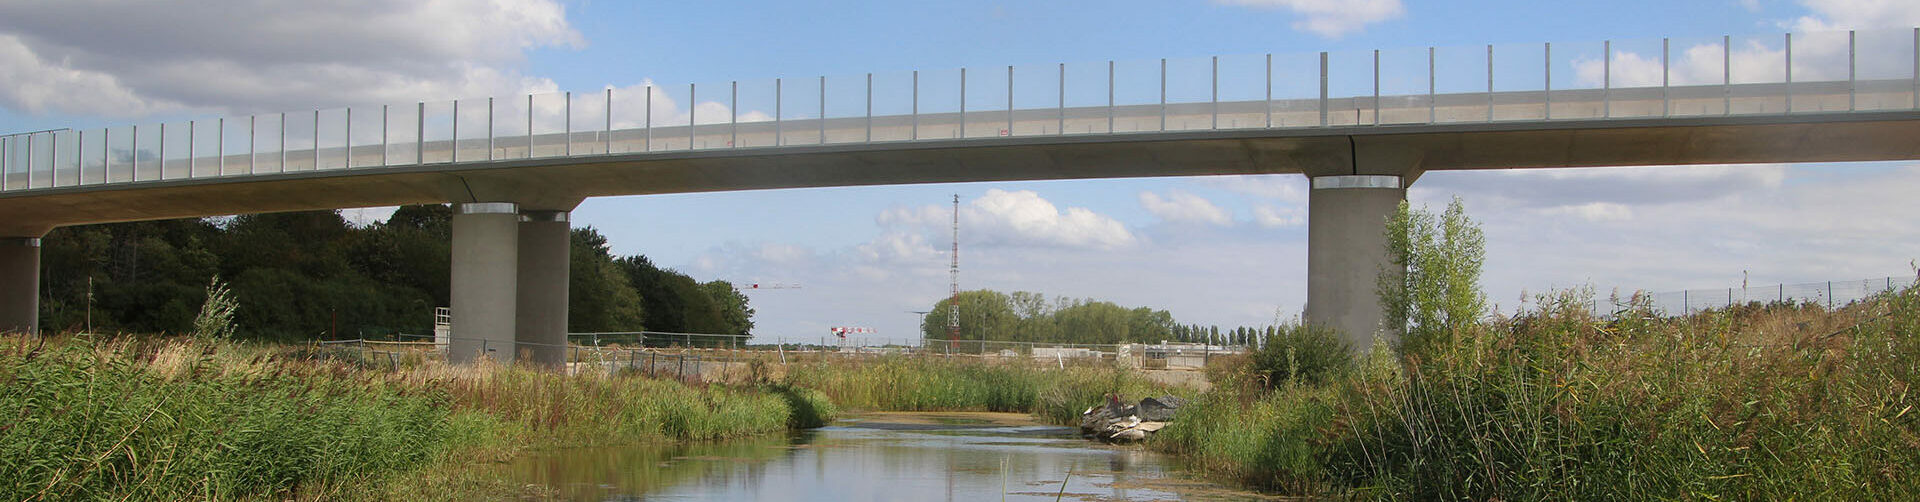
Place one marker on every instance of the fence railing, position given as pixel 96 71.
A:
pixel 409 349
pixel 1806 72
pixel 1830 294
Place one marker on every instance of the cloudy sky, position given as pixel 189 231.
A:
pixel 1218 250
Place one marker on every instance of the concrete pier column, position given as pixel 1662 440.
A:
pixel 486 262
pixel 20 284
pixel 542 311
pixel 1347 250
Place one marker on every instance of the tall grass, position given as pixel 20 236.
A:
pixel 190 419
pixel 1754 402
pixel 100 422
pixel 936 384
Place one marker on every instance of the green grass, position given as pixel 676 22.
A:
pixel 905 383
pixel 1755 402
pixel 162 419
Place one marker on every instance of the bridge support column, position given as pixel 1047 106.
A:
pixel 542 309
pixel 486 262
pixel 1347 250
pixel 20 284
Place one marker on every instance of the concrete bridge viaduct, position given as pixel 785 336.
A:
pixel 512 188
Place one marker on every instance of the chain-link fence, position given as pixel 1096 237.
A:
pixel 680 363
pixel 1829 294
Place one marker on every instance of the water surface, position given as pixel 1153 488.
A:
pixel 941 456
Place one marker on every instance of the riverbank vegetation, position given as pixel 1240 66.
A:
pixel 1753 402
pixel 183 418
pixel 940 384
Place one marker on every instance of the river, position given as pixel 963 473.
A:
pixel 891 456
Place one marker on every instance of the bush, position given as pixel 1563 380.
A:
pixel 1301 354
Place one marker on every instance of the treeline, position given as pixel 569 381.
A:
pixel 1032 317
pixel 306 275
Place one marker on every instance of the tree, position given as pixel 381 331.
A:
pixel 735 313
pixel 599 296
pixel 1432 289
pixel 984 315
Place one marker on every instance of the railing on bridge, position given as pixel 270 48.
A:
pixel 1816 72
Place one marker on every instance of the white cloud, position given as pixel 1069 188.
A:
pixel 1270 217
pixel 1331 18
pixel 1183 207
pixel 1833 15
pixel 783 253
pixel 1023 217
pixel 1593 211
pixel 140 58
pixel 1288 188
pixel 1820 50
pixel 1018 218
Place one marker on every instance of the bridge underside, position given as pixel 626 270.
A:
pixel 507 256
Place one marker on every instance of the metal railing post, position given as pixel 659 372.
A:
pixel 913 131
pixel 1323 89
pixel 647 110
pixel 869 107
pixel 1163 94
pixel 779 134
pixel 1666 72
pixel 455 157
pixel 693 124
pixel 733 114
pixel 963 101
pixel 608 105
pixel 1267 106
pixel 1789 56
pixel 1376 87
pixel 1726 75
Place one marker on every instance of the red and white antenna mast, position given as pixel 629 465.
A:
pixel 953 273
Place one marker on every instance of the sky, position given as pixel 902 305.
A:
pixel 1212 250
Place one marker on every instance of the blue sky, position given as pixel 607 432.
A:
pixel 1213 250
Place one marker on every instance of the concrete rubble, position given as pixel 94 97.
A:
pixel 1117 422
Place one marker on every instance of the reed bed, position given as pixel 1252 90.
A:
pixel 156 419
pixel 1754 402
pixel 922 383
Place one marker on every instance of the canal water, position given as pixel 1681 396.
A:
pixel 896 456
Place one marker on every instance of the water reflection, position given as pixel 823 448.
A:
pixel 919 458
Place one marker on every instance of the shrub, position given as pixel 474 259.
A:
pixel 1301 354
